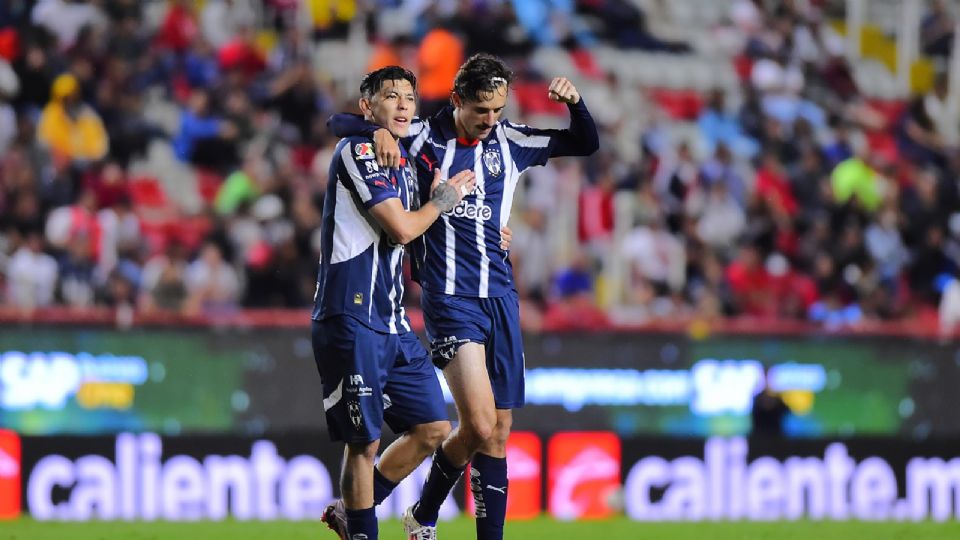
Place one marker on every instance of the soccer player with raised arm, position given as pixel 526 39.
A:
pixel 469 300
pixel 373 367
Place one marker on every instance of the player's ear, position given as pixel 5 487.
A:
pixel 455 99
pixel 364 106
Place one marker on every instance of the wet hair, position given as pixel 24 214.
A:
pixel 480 76
pixel 372 82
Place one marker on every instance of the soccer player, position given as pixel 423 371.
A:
pixel 373 367
pixel 469 300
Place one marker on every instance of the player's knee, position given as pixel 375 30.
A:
pixel 367 451
pixel 480 428
pixel 501 432
pixel 431 436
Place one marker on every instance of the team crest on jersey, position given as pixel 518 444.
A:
pixel 356 416
pixel 491 160
pixel 364 151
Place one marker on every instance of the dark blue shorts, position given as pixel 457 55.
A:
pixel 494 323
pixel 369 377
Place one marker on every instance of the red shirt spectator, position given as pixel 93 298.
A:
pixel 179 28
pixel 773 187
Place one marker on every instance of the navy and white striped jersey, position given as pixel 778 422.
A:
pixel 460 253
pixel 361 272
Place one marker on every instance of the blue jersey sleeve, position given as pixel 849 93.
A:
pixel 533 146
pixel 372 183
pixel 354 125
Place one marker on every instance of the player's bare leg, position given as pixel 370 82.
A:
pixel 469 384
pixel 407 452
pixel 397 462
pixel 356 486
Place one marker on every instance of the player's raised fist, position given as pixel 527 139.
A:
pixel 563 91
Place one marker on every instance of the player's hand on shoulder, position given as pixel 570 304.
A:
pixel 386 148
pixel 563 91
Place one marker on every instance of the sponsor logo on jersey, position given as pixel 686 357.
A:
pixel 364 151
pixel 469 210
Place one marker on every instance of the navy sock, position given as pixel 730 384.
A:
pixel 362 522
pixel 443 476
pixel 382 487
pixel 488 483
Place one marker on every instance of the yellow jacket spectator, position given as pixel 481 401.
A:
pixel 70 127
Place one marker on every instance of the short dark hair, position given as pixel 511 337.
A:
pixel 480 76
pixel 372 82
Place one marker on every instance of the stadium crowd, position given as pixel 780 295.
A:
pixel 797 196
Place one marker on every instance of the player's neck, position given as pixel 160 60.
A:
pixel 461 132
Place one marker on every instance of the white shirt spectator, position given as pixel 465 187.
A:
pixel 211 282
pixel 722 220
pixel 66 19
pixel 221 19
pixel 31 277
pixel 9 88
pixel 656 255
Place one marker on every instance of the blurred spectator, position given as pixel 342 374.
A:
pixel 720 219
pixel 242 186
pixel 655 255
pixel 65 19
pixel 854 181
pixel 75 223
pixel 163 286
pixel 212 285
pixel 36 76
pixel 221 20
pixel 70 127
pixel 718 126
pixel 768 411
pixel 179 27
pixel 596 214
pixel 532 256
pixel 917 136
pixel 31 274
pixel 9 88
pixel 936 30
pixel 942 111
pixel 721 168
pixel 572 304
pixel 438 60
pixel 885 244
pixel 77 287
pixel 204 139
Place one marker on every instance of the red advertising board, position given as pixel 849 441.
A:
pixel 583 472
pixel 9 474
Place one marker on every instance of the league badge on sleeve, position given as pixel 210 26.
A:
pixel 491 160
pixel 364 151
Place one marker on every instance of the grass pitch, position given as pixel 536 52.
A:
pixel 462 529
